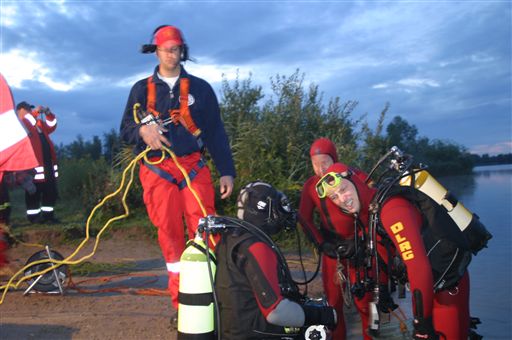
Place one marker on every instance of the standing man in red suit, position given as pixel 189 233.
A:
pixel 335 229
pixel 190 106
pixel 40 201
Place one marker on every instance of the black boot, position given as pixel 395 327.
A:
pixel 35 218
pixel 49 217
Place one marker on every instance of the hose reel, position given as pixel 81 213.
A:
pixel 50 282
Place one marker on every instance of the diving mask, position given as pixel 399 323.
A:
pixel 328 181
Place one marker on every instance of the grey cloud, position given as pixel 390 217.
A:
pixel 350 47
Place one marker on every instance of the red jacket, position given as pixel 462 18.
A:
pixel 41 126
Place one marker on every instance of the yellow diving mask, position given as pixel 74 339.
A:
pixel 328 181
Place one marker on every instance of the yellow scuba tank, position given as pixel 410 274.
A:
pixel 432 188
pixel 195 298
pixel 468 223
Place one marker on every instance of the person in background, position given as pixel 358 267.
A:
pixel 189 106
pixel 40 123
pixel 443 313
pixel 257 296
pixel 335 229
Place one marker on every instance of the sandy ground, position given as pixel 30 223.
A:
pixel 125 308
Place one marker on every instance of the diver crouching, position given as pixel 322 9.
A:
pixel 257 297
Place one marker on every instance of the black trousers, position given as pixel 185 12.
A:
pixel 5 203
pixel 42 201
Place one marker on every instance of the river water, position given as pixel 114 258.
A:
pixel 488 193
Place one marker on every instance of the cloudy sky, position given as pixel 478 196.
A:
pixel 444 66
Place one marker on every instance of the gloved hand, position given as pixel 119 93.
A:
pixel 329 249
pixel 50 116
pixel 345 248
pixel 342 249
pixel 424 330
pixel 320 315
pixel 386 302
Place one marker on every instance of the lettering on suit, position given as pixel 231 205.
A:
pixel 403 244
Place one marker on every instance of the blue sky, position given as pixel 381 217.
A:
pixel 444 66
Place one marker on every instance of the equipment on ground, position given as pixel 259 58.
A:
pixel 51 281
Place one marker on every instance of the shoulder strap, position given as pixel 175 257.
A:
pixel 183 114
pixel 151 97
pixel 325 212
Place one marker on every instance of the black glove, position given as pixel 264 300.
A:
pixel 386 302
pixel 320 315
pixel 329 249
pixel 342 249
pixel 424 330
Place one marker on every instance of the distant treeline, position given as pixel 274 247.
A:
pixel 270 137
pixel 485 159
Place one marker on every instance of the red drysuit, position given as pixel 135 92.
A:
pixel 343 226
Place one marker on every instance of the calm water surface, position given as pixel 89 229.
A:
pixel 488 193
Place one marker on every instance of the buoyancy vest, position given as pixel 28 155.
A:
pixel 446 246
pixel 240 315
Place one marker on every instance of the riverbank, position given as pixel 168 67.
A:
pixel 127 301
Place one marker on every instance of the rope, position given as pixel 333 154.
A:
pixel 11 284
pixel 120 289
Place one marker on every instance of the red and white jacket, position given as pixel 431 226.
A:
pixel 37 123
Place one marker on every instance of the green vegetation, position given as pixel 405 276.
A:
pixel 270 137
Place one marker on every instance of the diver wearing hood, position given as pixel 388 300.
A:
pixel 442 313
pixel 257 296
pixel 334 231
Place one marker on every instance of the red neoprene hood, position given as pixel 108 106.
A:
pixel 324 146
pixel 365 193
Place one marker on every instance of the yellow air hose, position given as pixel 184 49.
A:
pixel 69 260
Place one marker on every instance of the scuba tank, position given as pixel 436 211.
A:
pixel 468 223
pixel 195 297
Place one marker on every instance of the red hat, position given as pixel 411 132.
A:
pixel 168 36
pixel 324 146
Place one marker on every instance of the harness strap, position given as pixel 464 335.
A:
pixel 167 176
pixel 323 204
pixel 151 99
pixel 183 115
